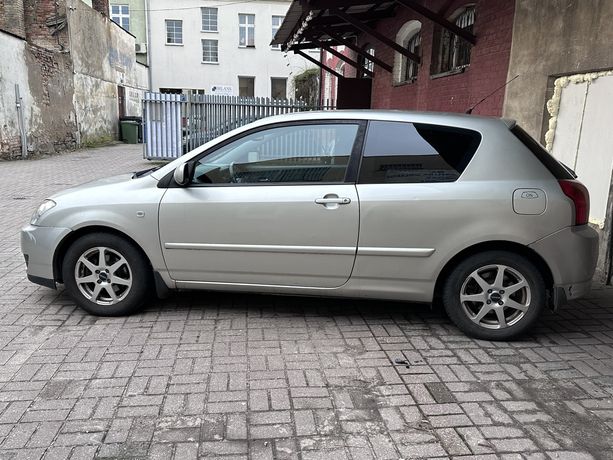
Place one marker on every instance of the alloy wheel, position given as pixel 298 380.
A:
pixel 103 276
pixel 495 296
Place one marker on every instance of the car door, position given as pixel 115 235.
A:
pixel 272 207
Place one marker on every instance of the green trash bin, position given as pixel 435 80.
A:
pixel 129 131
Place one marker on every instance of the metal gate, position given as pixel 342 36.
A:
pixel 174 124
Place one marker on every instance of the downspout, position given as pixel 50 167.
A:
pixel 21 123
pixel 148 33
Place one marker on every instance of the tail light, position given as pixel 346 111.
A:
pixel 577 192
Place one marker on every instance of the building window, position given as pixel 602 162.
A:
pixel 365 63
pixel 246 86
pixel 276 24
pixel 209 19
pixel 410 66
pixel 246 30
pixel 210 52
pixel 409 37
pixel 174 32
pixel 278 88
pixel 120 14
pixel 453 51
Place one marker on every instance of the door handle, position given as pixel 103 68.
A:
pixel 336 200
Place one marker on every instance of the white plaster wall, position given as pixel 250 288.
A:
pixel 582 136
pixel 13 70
pixel 181 66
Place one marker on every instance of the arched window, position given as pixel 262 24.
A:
pixel 453 52
pixel 409 37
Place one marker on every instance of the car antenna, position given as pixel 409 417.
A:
pixel 469 111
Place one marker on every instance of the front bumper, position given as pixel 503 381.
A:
pixel 571 254
pixel 38 245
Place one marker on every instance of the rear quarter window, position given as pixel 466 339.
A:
pixel 399 152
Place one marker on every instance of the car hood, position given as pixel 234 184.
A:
pixel 95 184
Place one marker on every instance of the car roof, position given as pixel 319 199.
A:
pixel 442 118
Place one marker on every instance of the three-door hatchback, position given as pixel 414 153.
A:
pixel 418 207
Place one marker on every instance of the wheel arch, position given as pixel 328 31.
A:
pixel 510 246
pixel 60 251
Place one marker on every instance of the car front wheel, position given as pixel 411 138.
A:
pixel 105 275
pixel 495 295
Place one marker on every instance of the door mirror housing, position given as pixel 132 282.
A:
pixel 183 174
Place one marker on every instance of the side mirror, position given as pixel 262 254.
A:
pixel 183 174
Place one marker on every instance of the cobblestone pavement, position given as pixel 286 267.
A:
pixel 246 376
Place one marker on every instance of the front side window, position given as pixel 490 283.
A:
pixel 210 52
pixel 120 14
pixel 289 154
pixel 246 30
pixel 209 19
pixel 174 32
pixel 397 152
pixel 453 51
pixel 276 24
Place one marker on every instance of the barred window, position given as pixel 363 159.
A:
pixel 209 19
pixel 210 52
pixel 174 32
pixel 453 51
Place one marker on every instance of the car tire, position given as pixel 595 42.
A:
pixel 117 285
pixel 495 295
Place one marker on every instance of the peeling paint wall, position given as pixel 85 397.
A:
pixel 100 66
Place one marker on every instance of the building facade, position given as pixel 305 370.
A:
pixel 221 47
pixel 75 72
pixel 132 16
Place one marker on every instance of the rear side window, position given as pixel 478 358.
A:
pixel 397 152
pixel 557 169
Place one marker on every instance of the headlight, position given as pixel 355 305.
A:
pixel 43 208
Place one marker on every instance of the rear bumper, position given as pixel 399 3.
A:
pixel 571 254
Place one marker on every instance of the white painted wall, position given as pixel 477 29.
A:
pixel 581 134
pixel 13 70
pixel 181 67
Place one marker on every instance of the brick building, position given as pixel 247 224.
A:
pixel 66 74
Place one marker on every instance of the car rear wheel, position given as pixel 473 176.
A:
pixel 495 295
pixel 105 275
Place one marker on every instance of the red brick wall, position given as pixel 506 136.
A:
pixel 454 93
pixel 38 33
pixel 11 17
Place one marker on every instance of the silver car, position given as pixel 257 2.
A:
pixel 418 207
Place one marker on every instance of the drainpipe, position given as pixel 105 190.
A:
pixel 21 122
pixel 148 33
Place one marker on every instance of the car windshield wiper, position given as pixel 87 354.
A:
pixel 144 172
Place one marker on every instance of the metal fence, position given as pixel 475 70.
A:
pixel 174 124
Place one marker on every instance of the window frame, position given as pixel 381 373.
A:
pixel 275 31
pixel 212 40
pixel 120 15
pixel 209 8
pixel 409 64
pixel 351 174
pixel 248 27
pixel 180 21
pixel 454 44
